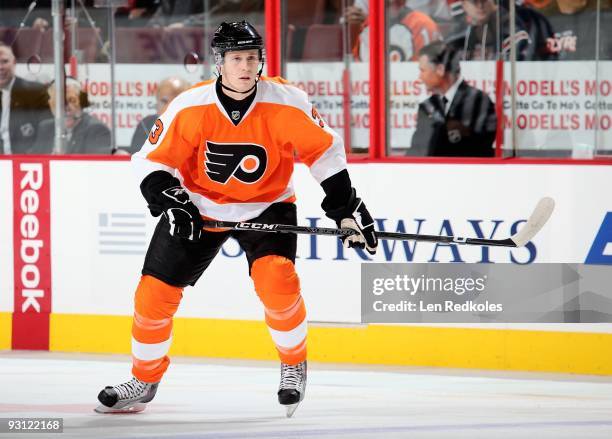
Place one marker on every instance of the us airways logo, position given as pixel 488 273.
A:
pixel 246 162
pixel 329 249
pixel 601 250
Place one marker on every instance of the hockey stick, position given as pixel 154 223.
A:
pixel 536 221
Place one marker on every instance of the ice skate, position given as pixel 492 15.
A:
pixel 292 386
pixel 130 397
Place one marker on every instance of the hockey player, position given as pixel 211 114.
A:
pixel 224 149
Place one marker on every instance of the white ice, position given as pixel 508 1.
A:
pixel 201 398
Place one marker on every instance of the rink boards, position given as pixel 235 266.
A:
pixel 76 285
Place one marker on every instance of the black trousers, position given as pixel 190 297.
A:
pixel 180 262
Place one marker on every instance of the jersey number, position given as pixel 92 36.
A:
pixel 156 131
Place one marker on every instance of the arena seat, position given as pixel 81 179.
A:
pixel 27 44
pixel 323 42
pixel 179 42
pixel 86 40
pixel 305 13
pixel 139 45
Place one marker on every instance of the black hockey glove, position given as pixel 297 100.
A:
pixel 165 195
pixel 354 215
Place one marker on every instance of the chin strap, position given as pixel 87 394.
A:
pixel 242 92
pixel 236 91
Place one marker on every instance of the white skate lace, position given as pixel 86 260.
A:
pixel 291 376
pixel 131 389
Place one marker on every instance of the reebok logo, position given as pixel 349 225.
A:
pixel 245 162
pixel 32 254
pixel 177 193
pixel 30 243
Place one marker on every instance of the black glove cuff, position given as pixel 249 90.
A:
pixel 341 212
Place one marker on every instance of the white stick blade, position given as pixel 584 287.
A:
pixel 536 221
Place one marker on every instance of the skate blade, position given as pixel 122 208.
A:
pixel 291 408
pixel 136 408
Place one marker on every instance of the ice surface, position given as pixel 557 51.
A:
pixel 228 399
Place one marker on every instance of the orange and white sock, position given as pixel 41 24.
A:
pixel 278 287
pixel 155 304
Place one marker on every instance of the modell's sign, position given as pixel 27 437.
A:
pixel 32 254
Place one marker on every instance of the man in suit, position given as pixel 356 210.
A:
pixel 167 90
pixel 85 133
pixel 458 120
pixel 23 104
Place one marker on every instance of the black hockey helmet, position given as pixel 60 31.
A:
pixel 236 35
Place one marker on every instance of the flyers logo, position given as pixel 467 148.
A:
pixel 245 162
pixel 518 37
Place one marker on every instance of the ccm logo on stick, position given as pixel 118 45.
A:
pixel 29 228
pixel 256 226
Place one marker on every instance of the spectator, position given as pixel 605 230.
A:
pixel 458 120
pixel 136 13
pixel 547 7
pixel 85 134
pixel 38 14
pixel 477 36
pixel 539 29
pixel 167 90
pixel 191 13
pixel 409 31
pixel 23 105
pixel 575 30
pixel 439 10
pixel 436 9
